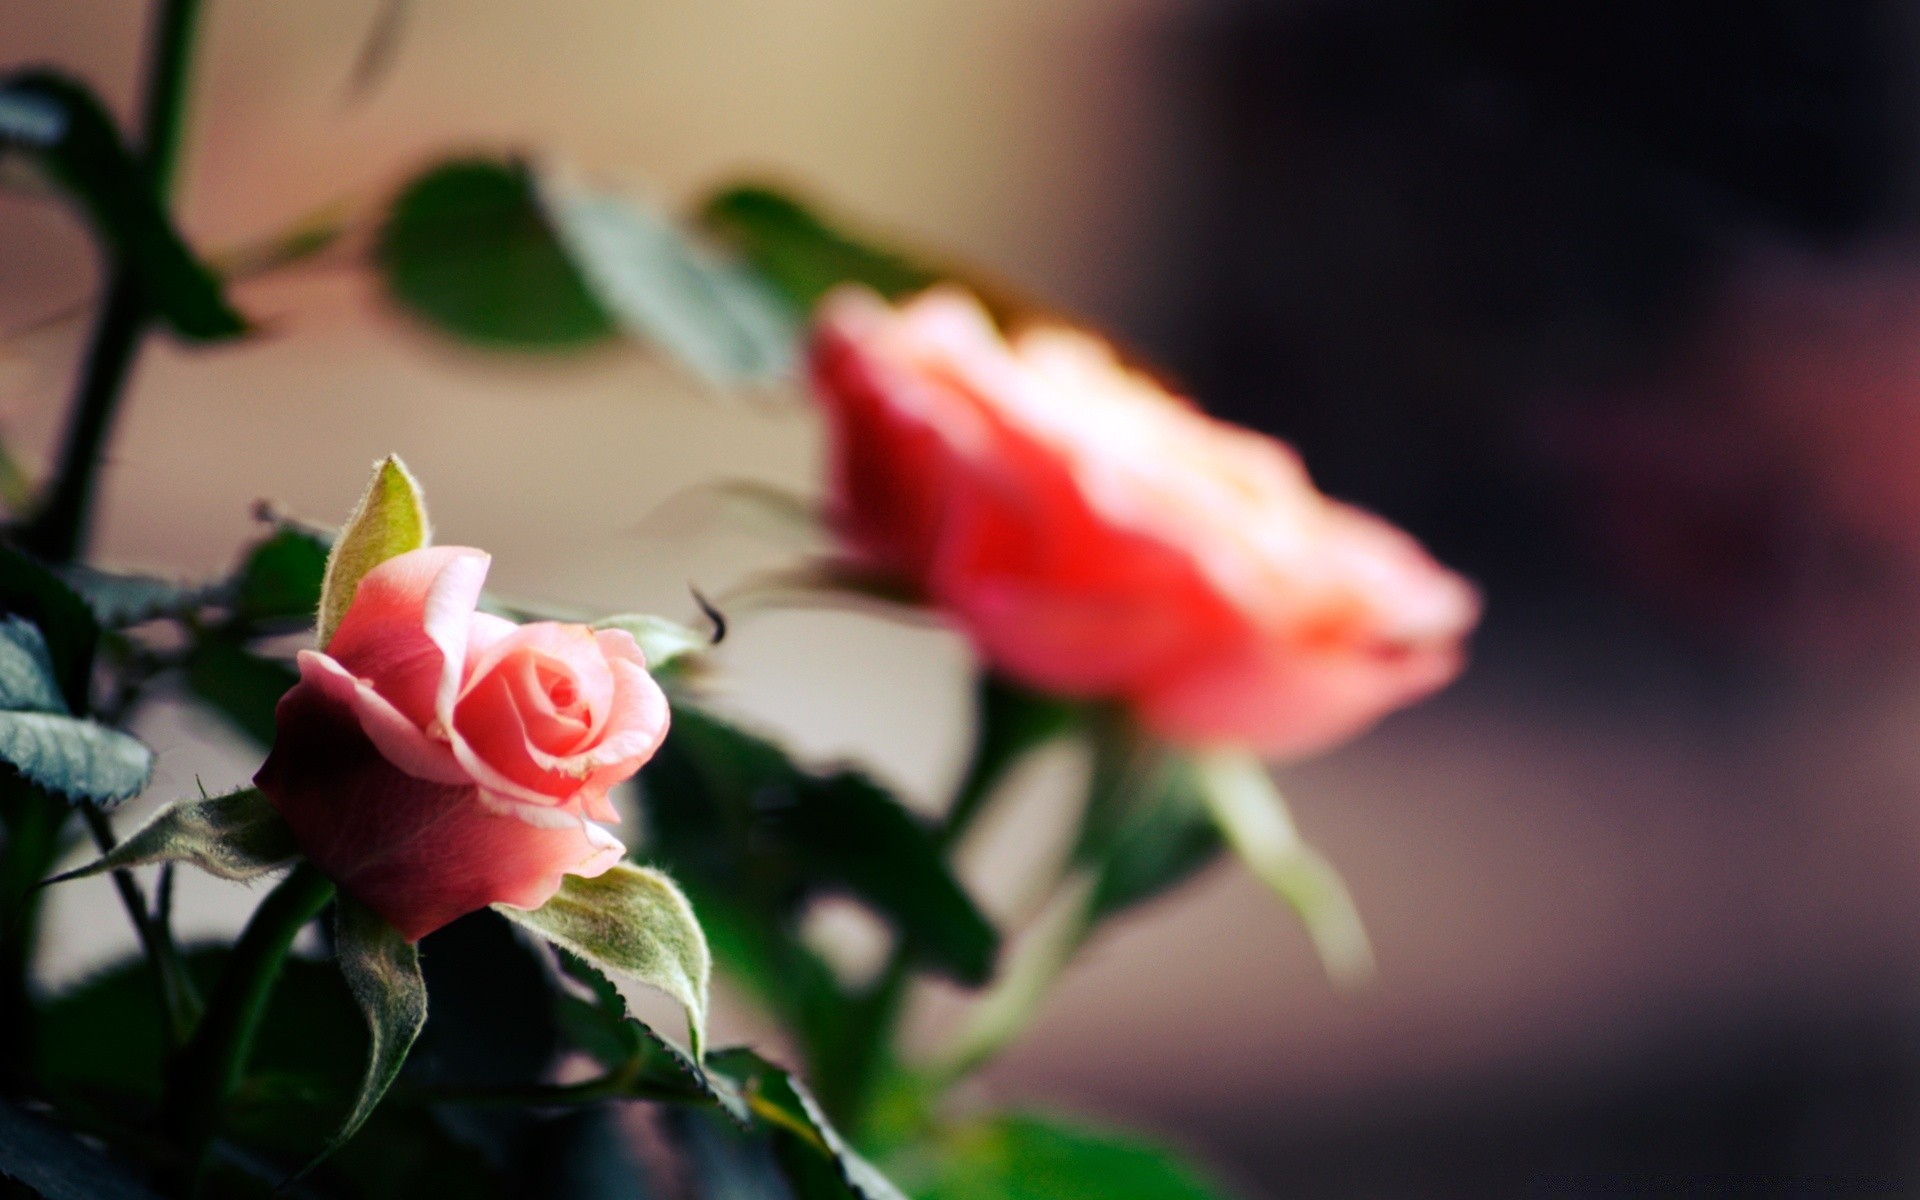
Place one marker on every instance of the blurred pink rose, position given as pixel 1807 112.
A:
pixel 435 760
pixel 1098 537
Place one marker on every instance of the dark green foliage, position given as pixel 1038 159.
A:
pixel 467 247
pixel 1024 1157
pixel 803 255
pixel 739 820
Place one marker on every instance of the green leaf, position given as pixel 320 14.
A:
pixel 664 286
pixel 1253 818
pixel 467 248
pixel 78 758
pixel 390 520
pixel 1022 1157
pixel 26 670
pixel 241 686
pixel 1163 839
pixel 118 601
pixel 652 1065
pixel 853 833
pixel 59 122
pixel 733 810
pixel 816 1160
pixel 632 922
pixel 382 970
pixel 55 1165
pixel 666 644
pixel 804 255
pixel 281 577
pixel 237 835
pixel 30 590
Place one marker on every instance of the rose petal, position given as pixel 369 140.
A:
pixel 418 853
pixel 405 632
pixel 403 743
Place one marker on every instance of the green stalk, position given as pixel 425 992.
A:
pixel 59 529
pixel 208 1070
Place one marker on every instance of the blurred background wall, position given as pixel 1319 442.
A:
pixel 1617 304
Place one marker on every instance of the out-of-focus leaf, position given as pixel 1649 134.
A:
pixel 67 131
pixel 853 833
pixel 238 684
pixel 1165 837
pixel 390 520
pixel 78 758
pixel 804 255
pixel 28 589
pixel 664 286
pixel 26 670
pixel 1022 1157
pixel 818 1163
pixel 55 1165
pixel 238 836
pixel 1254 819
pixel 118 601
pixel 382 970
pixel 467 248
pixel 631 922
pixel 666 644
pixel 281 577
pixel 735 804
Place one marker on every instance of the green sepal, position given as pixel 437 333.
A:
pixel 382 970
pixel 1253 817
pixel 667 645
pixel 237 835
pixel 390 520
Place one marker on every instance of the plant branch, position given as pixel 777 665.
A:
pixel 178 1000
pixel 58 530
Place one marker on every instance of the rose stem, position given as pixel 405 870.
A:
pixel 58 530
pixel 209 1068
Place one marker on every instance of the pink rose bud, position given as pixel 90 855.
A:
pixel 435 760
pixel 1096 536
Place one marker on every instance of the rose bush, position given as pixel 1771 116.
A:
pixel 435 759
pixel 1096 536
